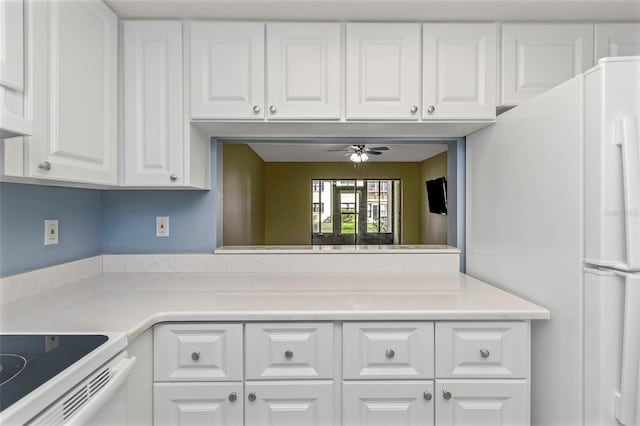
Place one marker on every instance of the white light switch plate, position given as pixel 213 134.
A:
pixel 162 226
pixel 50 231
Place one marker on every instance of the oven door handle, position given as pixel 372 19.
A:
pixel 121 372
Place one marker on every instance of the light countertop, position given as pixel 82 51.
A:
pixel 133 302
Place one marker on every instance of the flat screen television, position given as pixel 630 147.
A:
pixel 437 195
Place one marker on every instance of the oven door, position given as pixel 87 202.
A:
pixel 100 399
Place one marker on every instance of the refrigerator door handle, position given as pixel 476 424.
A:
pixel 627 137
pixel 626 400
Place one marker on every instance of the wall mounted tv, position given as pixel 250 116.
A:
pixel 437 195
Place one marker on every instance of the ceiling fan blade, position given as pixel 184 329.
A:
pixel 338 150
pixel 374 152
pixel 380 148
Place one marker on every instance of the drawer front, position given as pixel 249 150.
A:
pixel 197 352
pixel 380 350
pixel 473 349
pixel 289 351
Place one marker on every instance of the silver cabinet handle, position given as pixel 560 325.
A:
pixel 427 396
pixel 252 396
pixel 233 396
pixel 256 109
pixel 431 109
pixel 288 354
pixel 414 109
pixel 173 177
pixel 446 395
pixel 390 353
pixel 45 165
pixel 273 109
pixel 195 356
pixel 485 353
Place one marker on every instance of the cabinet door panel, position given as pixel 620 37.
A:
pixel 383 71
pixel 482 402
pixel 290 403
pixel 459 71
pixel 478 349
pixel 153 140
pixel 76 118
pixel 617 40
pixel 294 350
pixel 12 44
pixel 227 70
pixel 304 69
pixel 197 404
pixel 391 350
pixel 388 403
pixel 537 57
pixel 197 352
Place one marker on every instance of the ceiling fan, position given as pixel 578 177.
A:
pixel 360 153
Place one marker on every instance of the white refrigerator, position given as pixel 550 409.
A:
pixel 553 215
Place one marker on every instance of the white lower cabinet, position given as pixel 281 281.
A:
pixel 398 403
pixel 482 402
pixel 197 404
pixel 393 373
pixel 290 403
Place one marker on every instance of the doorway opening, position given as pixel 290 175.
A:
pixel 355 211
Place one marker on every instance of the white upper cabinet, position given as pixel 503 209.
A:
pixel 383 71
pixel 153 108
pixel 12 44
pixel 617 40
pixel 537 57
pixel 75 92
pixel 459 69
pixel 304 69
pixel 227 70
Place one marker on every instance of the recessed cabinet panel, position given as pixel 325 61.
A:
pixel 75 108
pixel 12 39
pixel 309 403
pixel 379 350
pixel 197 404
pixel 406 403
pixel 537 57
pixel 288 350
pixel 459 66
pixel 198 352
pixel 383 71
pixel 475 349
pixel 153 114
pixel 482 402
pixel 227 70
pixel 617 40
pixel 304 71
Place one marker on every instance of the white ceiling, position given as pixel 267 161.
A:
pixel 382 10
pixel 319 152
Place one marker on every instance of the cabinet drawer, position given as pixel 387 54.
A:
pixel 496 349
pixel 487 402
pixel 197 352
pixel 289 351
pixel 379 350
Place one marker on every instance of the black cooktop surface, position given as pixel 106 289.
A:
pixel 29 360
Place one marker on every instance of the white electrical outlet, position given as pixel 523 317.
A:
pixel 50 231
pixel 162 226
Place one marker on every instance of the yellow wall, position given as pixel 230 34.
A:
pixel 433 226
pixel 288 196
pixel 243 196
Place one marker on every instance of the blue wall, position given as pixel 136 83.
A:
pixel 23 209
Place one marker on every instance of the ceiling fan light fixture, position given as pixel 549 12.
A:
pixel 355 157
pixel 364 157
